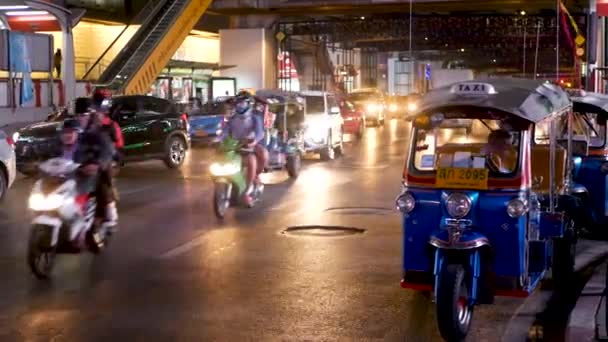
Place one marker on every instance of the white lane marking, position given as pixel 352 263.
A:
pixel 190 245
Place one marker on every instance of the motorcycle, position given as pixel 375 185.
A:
pixel 228 174
pixel 63 219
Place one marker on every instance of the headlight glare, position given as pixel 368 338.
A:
pixel 458 205
pixel 218 169
pixel 412 106
pixel 39 202
pixel 405 202
pixel 516 208
pixel 372 107
pixel 393 107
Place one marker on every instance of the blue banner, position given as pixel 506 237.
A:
pixel 21 63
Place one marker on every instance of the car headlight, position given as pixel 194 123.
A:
pixel 405 202
pixel 317 132
pixel 516 208
pixel 39 202
pixel 393 107
pixel 372 107
pixel 218 132
pixel 16 136
pixel 218 169
pixel 458 205
pixel 412 106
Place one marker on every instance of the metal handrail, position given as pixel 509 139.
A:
pixel 149 9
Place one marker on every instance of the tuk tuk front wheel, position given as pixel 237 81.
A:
pixel 454 311
pixel 294 163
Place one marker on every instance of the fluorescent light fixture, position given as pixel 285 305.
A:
pixel 13 8
pixel 25 13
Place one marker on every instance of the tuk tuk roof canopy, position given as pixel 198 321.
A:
pixel 590 103
pixel 528 99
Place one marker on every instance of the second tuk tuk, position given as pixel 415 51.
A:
pixel 591 164
pixel 486 199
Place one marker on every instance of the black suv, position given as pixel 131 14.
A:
pixel 152 129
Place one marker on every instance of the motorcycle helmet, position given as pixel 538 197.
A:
pixel 71 124
pixel 243 103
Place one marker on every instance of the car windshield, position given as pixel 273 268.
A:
pixel 315 105
pixel 467 143
pixel 361 97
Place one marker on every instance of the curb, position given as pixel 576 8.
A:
pixel 520 325
pixel 587 318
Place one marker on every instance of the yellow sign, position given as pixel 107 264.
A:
pixel 280 36
pixel 579 40
pixel 456 178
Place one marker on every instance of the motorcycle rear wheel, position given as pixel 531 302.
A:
pixel 40 255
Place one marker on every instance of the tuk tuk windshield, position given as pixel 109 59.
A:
pixel 467 143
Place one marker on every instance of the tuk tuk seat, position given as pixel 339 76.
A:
pixel 540 166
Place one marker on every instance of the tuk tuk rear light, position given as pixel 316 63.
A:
pixel 405 203
pixel 458 205
pixel 517 208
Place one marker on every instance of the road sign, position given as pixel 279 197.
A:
pixel 280 36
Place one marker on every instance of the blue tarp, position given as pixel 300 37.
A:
pixel 20 62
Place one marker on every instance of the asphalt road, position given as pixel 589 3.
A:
pixel 173 272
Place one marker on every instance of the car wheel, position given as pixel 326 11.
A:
pixel 3 184
pixel 339 150
pixel 175 153
pixel 328 153
pixel 361 130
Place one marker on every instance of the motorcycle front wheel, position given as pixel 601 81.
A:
pixel 221 199
pixel 40 253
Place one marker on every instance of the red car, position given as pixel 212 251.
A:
pixel 354 120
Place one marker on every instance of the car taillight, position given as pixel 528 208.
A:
pixel 185 121
pixel 10 141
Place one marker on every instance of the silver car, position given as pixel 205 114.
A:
pixel 8 170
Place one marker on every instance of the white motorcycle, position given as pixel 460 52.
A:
pixel 63 219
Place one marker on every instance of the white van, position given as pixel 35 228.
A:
pixel 323 131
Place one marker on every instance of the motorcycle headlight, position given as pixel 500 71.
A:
pixel 405 202
pixel 516 208
pixel 39 202
pixel 393 107
pixel 218 169
pixel 372 107
pixel 458 205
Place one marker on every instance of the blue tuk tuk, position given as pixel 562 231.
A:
pixel 591 165
pixel 486 198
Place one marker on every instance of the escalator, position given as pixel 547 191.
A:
pixel 139 63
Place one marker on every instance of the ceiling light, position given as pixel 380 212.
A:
pixel 13 8
pixel 24 13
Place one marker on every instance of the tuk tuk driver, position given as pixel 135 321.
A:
pixel 500 153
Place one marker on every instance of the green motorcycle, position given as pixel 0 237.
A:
pixel 228 174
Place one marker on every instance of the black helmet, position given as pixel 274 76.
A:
pixel 71 124
pixel 243 103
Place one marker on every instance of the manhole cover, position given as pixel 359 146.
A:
pixel 322 231
pixel 360 210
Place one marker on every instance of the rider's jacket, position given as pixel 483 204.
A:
pixel 245 126
pixel 94 147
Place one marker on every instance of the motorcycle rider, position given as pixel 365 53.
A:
pixel 248 128
pixel 106 126
pixel 95 152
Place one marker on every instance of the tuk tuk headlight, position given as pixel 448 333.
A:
pixel 516 208
pixel 405 202
pixel 458 205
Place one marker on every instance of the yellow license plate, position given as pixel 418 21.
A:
pixel 456 178
pixel 200 134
